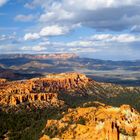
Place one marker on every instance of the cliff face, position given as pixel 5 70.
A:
pixel 23 92
pixel 65 83
pixel 100 123
pixel 29 98
pixel 40 89
pixel 52 83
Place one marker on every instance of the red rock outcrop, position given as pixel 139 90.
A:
pixel 32 97
pixel 52 83
pixel 64 81
pixel 103 122
pixel 13 93
pixel 20 92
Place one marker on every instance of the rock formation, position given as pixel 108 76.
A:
pixel 52 83
pixel 29 98
pixel 40 89
pixel 22 92
pixel 96 123
pixel 64 81
pixel 2 80
pixel 74 84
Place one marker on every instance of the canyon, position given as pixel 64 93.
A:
pixel 83 107
pixel 65 85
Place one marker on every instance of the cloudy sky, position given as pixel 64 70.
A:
pixel 104 29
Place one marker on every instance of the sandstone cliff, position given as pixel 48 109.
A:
pixel 96 123
pixel 73 84
pixel 63 82
pixel 32 97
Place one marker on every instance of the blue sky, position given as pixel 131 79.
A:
pixel 103 29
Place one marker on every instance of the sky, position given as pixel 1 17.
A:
pixel 101 29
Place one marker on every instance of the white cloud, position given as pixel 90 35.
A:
pixel 31 36
pixel 24 18
pixel 126 38
pixel 34 3
pixel 97 4
pixel 98 14
pixel 2 2
pixel 80 4
pixel 94 42
pixel 53 30
pixel 56 13
pixel 38 48
pixel 80 43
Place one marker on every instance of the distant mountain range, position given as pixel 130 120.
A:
pixel 33 65
pixel 40 56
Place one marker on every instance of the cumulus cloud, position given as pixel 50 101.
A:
pixel 56 13
pixel 2 2
pixel 31 36
pixel 98 14
pixel 24 18
pixel 80 4
pixel 98 4
pixel 101 15
pixel 53 30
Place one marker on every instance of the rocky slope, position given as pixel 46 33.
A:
pixel 26 105
pixel 68 86
pixel 95 123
